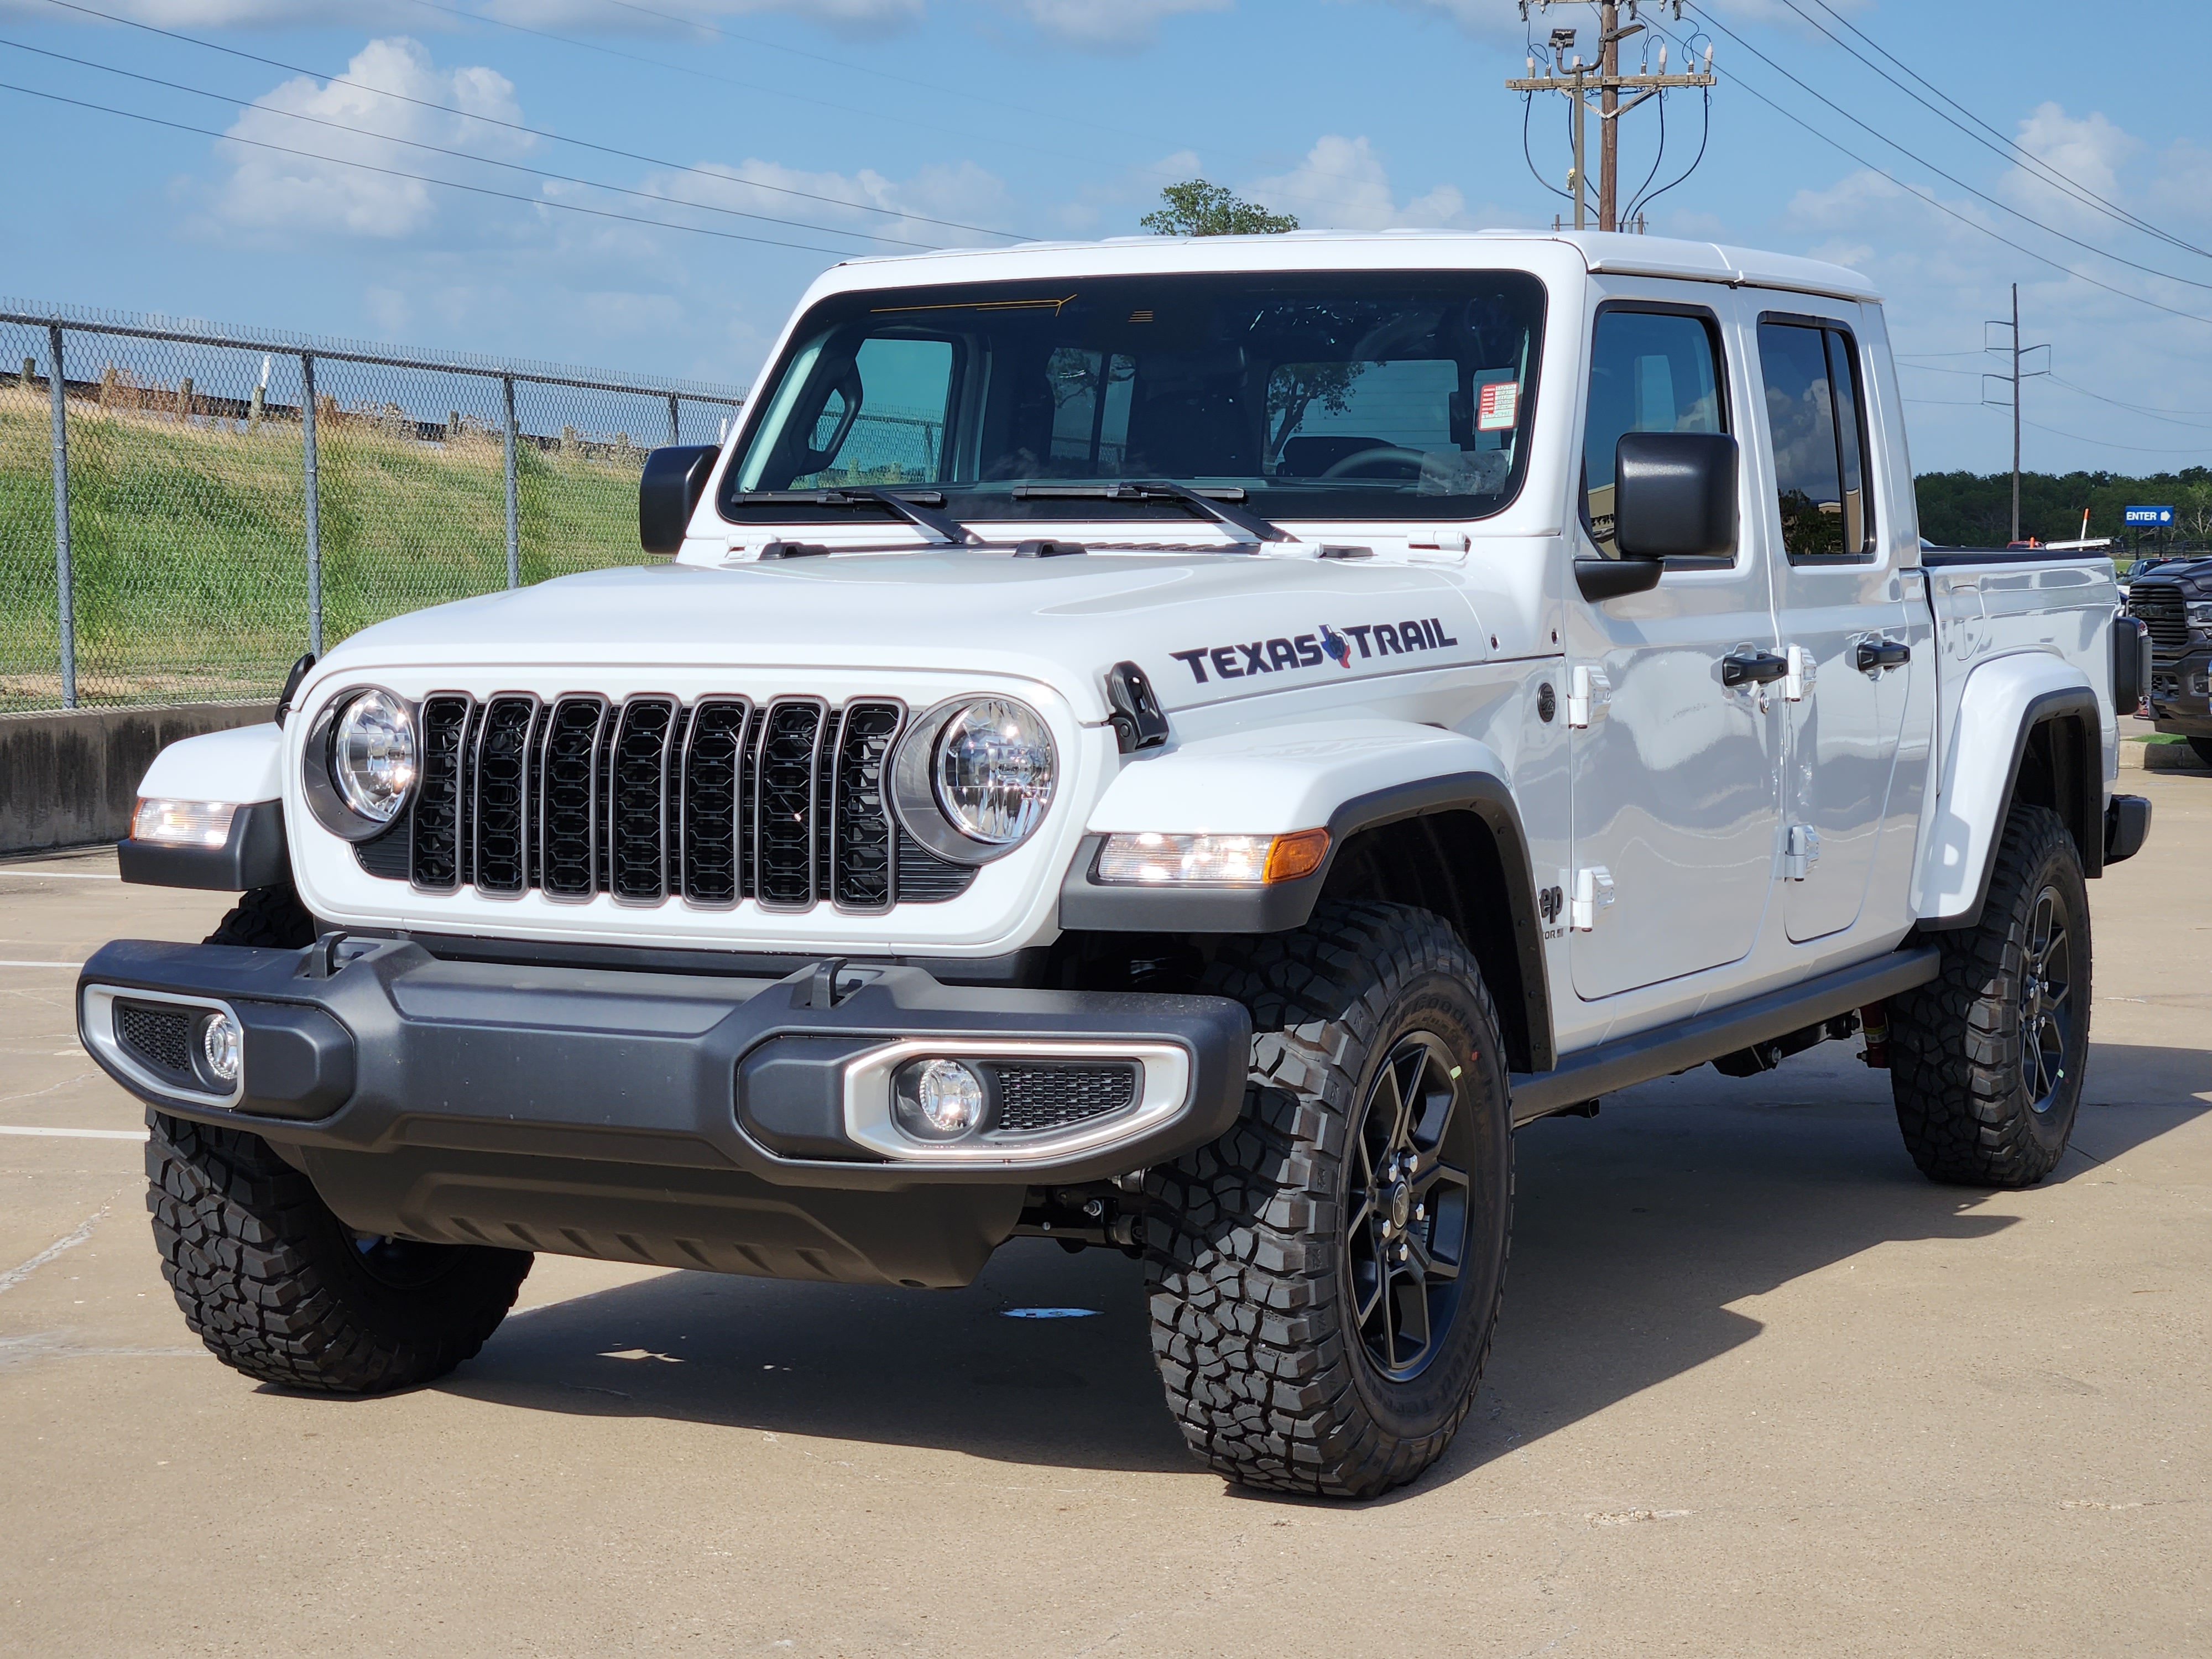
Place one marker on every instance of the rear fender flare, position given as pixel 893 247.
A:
pixel 2003 705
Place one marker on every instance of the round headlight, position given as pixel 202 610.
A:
pixel 994 771
pixel 374 759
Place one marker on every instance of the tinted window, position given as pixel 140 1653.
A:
pixel 1649 372
pixel 1813 415
pixel 1349 395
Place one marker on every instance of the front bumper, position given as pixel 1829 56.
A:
pixel 687 1119
pixel 2180 698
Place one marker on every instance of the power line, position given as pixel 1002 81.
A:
pixel 2012 149
pixel 2140 449
pixel 1934 202
pixel 423 178
pixel 999 141
pixel 2048 230
pixel 517 126
pixel 2171 415
pixel 460 155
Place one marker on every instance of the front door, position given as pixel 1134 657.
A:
pixel 1676 789
pixel 1842 618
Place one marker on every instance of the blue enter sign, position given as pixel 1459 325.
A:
pixel 2148 516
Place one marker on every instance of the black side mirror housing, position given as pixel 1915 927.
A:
pixel 675 478
pixel 1674 495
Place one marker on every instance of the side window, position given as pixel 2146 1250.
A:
pixel 1816 418
pixel 1650 371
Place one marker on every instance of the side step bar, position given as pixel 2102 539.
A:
pixel 1680 1045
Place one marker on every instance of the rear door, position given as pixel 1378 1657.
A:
pixel 1675 790
pixel 1842 610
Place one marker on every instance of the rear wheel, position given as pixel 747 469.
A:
pixel 1987 1061
pixel 279 1288
pixel 1324 1280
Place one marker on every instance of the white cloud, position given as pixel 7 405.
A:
pixel 269 191
pixel 963 193
pixel 1342 185
pixel 1112 25
pixel 2088 151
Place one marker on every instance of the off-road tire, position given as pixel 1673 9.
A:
pixel 1956 1043
pixel 277 1287
pixel 1254 1319
pixel 2203 748
pixel 272 918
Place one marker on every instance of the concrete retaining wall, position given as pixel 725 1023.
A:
pixel 70 778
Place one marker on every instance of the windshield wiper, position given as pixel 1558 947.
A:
pixel 1216 508
pixel 915 509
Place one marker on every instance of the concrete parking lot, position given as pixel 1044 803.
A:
pixel 1758 1389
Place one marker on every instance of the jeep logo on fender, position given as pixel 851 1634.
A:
pixel 1234 662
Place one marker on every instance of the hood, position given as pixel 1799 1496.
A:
pixel 1204 627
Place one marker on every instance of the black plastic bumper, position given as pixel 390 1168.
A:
pixel 2127 827
pixel 2180 700
pixel 601 1113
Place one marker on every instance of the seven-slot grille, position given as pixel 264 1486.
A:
pixel 648 798
pixel 2161 608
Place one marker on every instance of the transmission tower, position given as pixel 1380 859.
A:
pixel 1576 80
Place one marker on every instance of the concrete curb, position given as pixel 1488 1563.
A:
pixel 2160 758
pixel 71 777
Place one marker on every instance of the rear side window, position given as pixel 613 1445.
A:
pixel 1650 371
pixel 1816 417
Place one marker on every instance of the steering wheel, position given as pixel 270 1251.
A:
pixel 1381 454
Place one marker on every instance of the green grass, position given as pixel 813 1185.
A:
pixel 188 542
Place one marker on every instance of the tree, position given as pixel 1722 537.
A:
pixel 1196 208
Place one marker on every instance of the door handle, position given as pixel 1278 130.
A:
pixel 1752 668
pixel 1874 655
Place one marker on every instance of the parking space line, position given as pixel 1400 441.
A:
pixel 15 1276
pixel 74 1134
pixel 60 875
pixel 71 966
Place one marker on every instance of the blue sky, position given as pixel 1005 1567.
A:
pixel 941 121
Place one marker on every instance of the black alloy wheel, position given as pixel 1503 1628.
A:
pixel 1406 1230
pixel 2046 1019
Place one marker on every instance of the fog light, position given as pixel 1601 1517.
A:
pixel 222 1042
pixel 940 1100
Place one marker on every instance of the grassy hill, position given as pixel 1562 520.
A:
pixel 187 540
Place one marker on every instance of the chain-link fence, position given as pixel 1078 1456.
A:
pixel 185 509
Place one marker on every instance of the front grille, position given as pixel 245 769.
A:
pixel 1035 1098
pixel 2159 607
pixel 651 799
pixel 156 1033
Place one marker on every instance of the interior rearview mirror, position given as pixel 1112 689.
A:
pixel 675 478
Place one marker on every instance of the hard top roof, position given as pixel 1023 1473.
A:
pixel 1359 249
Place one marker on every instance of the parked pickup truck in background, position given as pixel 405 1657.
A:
pixel 1173 746
pixel 2174 602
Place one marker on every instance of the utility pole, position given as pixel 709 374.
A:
pixel 1574 80
pixel 2017 352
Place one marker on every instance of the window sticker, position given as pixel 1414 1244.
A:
pixel 1499 408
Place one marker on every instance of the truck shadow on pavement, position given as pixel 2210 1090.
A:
pixel 1636 1234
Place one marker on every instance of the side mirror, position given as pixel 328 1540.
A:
pixel 1674 495
pixel 674 478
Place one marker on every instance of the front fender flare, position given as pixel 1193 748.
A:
pixel 1344 775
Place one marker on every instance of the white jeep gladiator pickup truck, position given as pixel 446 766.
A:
pixel 1174 746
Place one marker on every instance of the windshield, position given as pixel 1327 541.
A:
pixel 1359 395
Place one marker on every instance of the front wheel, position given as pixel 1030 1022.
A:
pixel 279 1288
pixel 1325 1277
pixel 1987 1061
